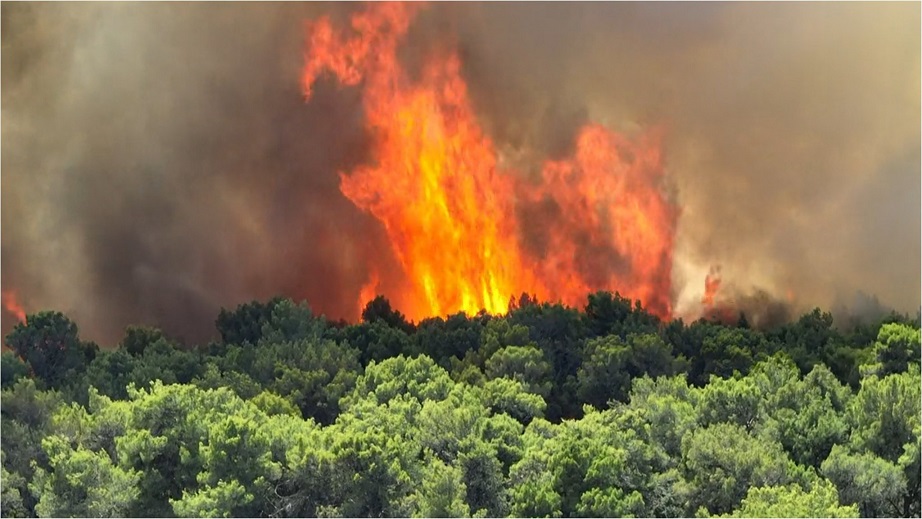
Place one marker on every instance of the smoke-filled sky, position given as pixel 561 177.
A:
pixel 159 161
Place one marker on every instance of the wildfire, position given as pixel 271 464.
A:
pixel 368 291
pixel 711 286
pixel 449 211
pixel 614 228
pixel 714 308
pixel 13 306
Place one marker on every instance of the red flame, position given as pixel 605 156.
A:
pixel 449 211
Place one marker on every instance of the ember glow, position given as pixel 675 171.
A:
pixel 450 212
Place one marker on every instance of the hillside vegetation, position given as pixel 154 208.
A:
pixel 547 411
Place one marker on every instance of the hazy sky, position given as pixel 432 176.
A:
pixel 159 161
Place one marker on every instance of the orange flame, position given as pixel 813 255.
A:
pixel 615 228
pixel 717 309
pixel 12 305
pixel 711 286
pixel 369 291
pixel 450 213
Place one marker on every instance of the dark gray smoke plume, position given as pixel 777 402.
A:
pixel 158 160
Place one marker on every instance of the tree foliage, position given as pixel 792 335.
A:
pixel 792 501
pixel 50 344
pixel 547 411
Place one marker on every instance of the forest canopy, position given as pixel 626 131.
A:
pixel 546 411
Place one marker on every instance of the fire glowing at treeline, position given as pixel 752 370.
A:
pixel 453 215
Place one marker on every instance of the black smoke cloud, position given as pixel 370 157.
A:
pixel 159 162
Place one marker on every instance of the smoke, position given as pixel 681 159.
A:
pixel 159 162
pixel 793 130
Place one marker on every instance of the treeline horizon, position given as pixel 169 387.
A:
pixel 759 311
pixel 544 411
